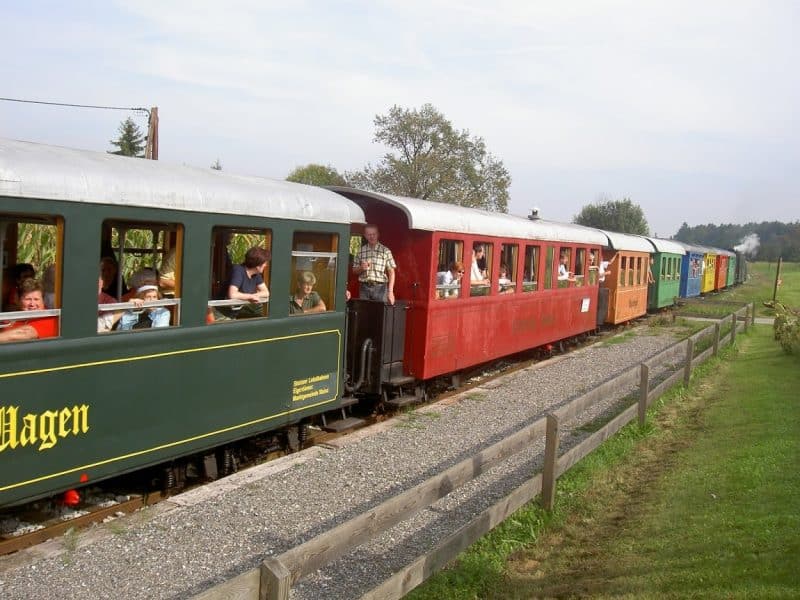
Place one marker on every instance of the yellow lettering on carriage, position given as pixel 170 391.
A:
pixel 310 387
pixel 46 428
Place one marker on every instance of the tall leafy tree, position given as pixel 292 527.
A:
pixel 614 215
pixel 130 141
pixel 432 160
pixel 314 174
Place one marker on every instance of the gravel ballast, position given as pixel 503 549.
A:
pixel 185 546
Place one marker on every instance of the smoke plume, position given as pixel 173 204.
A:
pixel 749 245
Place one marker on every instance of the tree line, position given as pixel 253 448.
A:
pixel 775 239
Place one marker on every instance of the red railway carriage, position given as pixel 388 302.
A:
pixel 517 300
pixel 626 279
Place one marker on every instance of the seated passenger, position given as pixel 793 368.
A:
pixel 109 269
pixel 505 285
pixel 452 278
pixel 31 297
pixel 166 274
pixel 106 319
pixel 155 316
pixel 247 282
pixel 16 275
pixel 144 276
pixel 564 274
pixel 305 299
pixel 476 276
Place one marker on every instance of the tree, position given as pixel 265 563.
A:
pixel 130 141
pixel 614 215
pixel 313 174
pixel 430 159
pixel 217 166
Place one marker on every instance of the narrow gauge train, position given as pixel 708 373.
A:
pixel 85 406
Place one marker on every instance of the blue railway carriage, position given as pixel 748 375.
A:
pixel 666 271
pixel 79 404
pixel 691 270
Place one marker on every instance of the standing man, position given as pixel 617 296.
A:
pixel 375 267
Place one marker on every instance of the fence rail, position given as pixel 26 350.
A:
pixel 276 575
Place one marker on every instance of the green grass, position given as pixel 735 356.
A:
pixel 702 502
pixel 761 285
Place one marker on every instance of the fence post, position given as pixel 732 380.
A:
pixel 753 313
pixel 733 328
pixel 644 390
pixel 550 459
pixel 716 338
pixel 746 317
pixel 276 580
pixel 687 370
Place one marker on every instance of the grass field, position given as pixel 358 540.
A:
pixel 701 502
pixel 761 285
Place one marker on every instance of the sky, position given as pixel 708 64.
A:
pixel 687 108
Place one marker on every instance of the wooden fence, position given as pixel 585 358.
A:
pixel 276 575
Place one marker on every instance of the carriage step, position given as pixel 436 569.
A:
pixel 348 401
pixel 402 380
pixel 343 424
pixel 401 401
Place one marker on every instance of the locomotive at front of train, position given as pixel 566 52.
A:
pixel 471 286
pixel 87 405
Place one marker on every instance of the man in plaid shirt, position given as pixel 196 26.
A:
pixel 375 268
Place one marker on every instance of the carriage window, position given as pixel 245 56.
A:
pixel 548 268
pixel 530 273
pixel 623 271
pixel 480 273
pixel 449 269
pixel 580 262
pixel 30 277
pixel 240 274
pixel 139 283
pixel 506 280
pixel 313 272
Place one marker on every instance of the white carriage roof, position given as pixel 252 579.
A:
pixel 31 170
pixel 670 246
pixel 626 241
pixel 438 216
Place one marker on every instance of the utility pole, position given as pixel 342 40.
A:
pixel 151 148
pixel 777 280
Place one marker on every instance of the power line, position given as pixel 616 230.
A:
pixel 129 108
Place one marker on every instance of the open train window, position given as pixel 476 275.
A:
pixel 234 254
pixel 565 268
pixel 623 271
pixel 548 268
pixel 506 279
pixel 480 274
pixel 580 264
pixel 530 270
pixel 313 272
pixel 140 275
pixel 31 247
pixel 449 269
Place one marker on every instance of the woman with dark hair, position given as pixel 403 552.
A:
pixel 247 282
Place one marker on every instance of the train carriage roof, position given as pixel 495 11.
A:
pixel 626 241
pixel 31 170
pixel 438 216
pixel 669 246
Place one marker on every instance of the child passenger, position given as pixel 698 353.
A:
pixel 154 316
pixel 505 285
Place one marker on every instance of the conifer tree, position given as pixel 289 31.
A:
pixel 130 141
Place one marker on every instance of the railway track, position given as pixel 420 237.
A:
pixel 44 520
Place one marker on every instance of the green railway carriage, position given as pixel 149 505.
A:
pixel 85 405
pixel 666 269
pixel 730 280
